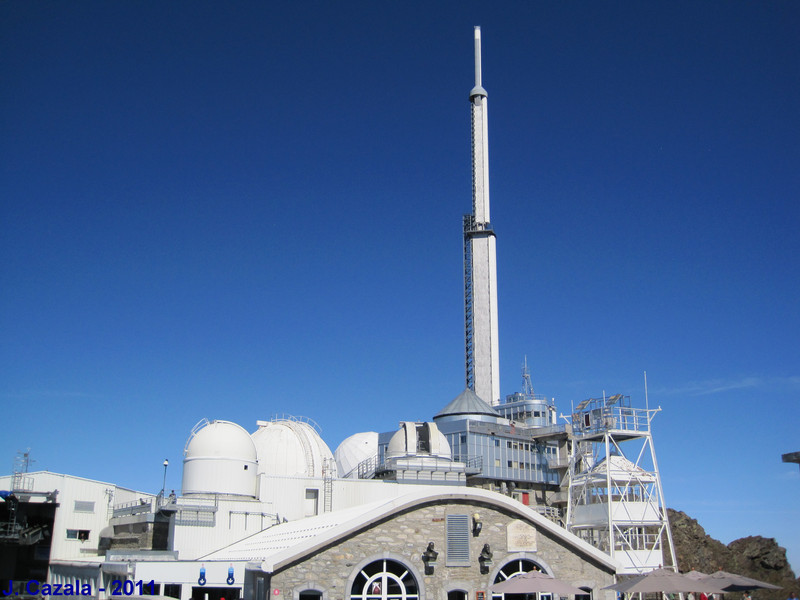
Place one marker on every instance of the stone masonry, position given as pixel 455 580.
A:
pixel 405 536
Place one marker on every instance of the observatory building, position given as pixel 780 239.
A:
pixel 487 489
pixel 220 458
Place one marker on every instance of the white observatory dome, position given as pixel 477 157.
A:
pixel 355 449
pixel 290 447
pixel 418 439
pixel 219 458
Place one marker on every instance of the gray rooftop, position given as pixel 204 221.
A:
pixel 467 403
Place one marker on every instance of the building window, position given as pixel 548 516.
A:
pixel 84 506
pixel 585 596
pixel 517 567
pixel 457 540
pixel 497 442
pixel 463 439
pixel 310 595
pixel 496 462
pixel 385 580
pixel 78 534
pixel 173 590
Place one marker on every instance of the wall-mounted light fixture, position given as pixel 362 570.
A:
pixel 477 524
pixel 485 559
pixel 429 558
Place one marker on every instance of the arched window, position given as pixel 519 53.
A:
pixel 514 567
pixel 310 595
pixel 587 595
pixel 384 579
pixel 457 595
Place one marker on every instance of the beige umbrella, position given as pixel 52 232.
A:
pixel 533 582
pixel 663 580
pixel 731 582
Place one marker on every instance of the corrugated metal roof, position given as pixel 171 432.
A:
pixel 287 542
pixel 285 535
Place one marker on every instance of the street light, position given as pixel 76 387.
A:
pixel 164 483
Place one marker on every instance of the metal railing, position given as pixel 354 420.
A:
pixel 640 541
pixel 474 463
pixel 550 512
pixel 367 468
pixel 136 507
pixel 557 462
pixel 21 482
pixel 619 418
pixel 417 462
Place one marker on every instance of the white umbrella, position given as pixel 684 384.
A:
pixel 664 580
pixel 533 582
pixel 731 582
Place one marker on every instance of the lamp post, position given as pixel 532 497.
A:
pixel 164 483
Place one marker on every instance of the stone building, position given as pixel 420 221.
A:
pixel 427 544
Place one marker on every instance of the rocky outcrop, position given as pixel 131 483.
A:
pixel 755 556
pixel 760 555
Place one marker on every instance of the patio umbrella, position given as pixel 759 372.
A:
pixel 532 582
pixel 731 582
pixel 663 580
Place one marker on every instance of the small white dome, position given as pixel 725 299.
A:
pixel 219 458
pixel 289 447
pixel 355 449
pixel 418 439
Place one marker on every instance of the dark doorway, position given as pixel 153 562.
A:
pixel 216 593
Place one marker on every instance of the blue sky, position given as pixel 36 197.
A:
pixel 237 210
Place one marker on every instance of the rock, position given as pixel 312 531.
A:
pixel 763 553
pixel 754 556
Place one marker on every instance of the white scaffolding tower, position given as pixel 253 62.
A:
pixel 615 499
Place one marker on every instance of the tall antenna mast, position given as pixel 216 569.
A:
pixel 480 258
pixel 527 383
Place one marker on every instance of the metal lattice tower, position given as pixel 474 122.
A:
pixel 20 481
pixel 469 324
pixel 615 499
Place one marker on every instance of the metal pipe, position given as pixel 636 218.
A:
pixel 477 56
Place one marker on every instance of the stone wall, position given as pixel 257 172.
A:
pixel 405 536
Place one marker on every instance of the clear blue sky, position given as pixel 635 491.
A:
pixel 240 209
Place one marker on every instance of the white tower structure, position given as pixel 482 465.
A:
pixel 480 260
pixel 615 500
